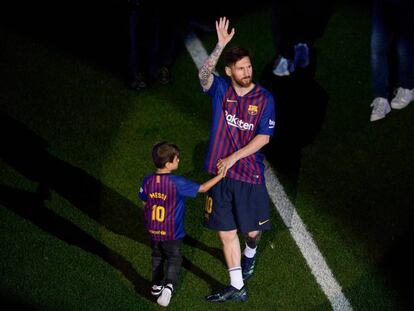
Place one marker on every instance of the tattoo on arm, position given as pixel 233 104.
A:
pixel 205 73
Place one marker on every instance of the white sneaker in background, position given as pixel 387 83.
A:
pixel 380 107
pixel 281 67
pixel 164 299
pixel 402 98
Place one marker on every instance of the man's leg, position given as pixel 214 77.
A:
pixel 231 249
pixel 232 254
pixel 248 260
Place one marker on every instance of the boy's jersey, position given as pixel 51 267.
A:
pixel 236 121
pixel 164 210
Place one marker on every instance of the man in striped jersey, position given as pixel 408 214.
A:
pixel 163 194
pixel 243 121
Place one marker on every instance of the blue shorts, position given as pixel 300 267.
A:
pixel 233 204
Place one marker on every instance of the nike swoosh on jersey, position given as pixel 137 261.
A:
pixel 263 222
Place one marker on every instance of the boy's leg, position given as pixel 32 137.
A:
pixel 157 261
pixel 172 250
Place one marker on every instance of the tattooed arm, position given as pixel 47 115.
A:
pixel 206 71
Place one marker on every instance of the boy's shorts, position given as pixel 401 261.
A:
pixel 233 204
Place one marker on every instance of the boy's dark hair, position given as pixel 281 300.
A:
pixel 164 152
pixel 234 54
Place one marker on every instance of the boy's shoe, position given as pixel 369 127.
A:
pixel 156 290
pixel 402 98
pixel 380 107
pixel 165 297
pixel 301 58
pixel 229 294
pixel 248 265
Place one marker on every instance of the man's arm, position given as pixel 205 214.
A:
pixel 253 146
pixel 205 73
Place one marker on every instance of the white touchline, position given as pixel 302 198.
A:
pixel 306 244
pixel 287 211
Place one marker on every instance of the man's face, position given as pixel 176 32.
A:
pixel 241 72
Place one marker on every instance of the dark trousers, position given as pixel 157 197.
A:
pixel 392 34
pixel 295 21
pixel 169 252
pixel 153 37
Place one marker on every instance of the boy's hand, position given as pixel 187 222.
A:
pixel 226 163
pixel 221 172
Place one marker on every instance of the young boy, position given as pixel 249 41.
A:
pixel 163 194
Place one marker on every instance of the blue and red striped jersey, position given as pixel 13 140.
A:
pixel 236 121
pixel 164 208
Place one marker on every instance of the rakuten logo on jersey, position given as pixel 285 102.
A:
pixel 240 124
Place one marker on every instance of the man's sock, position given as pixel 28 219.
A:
pixel 249 252
pixel 236 278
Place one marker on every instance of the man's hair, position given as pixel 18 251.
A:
pixel 234 54
pixel 164 152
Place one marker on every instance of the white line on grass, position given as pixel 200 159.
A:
pixel 306 244
pixel 287 211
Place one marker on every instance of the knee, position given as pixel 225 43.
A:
pixel 227 237
pixel 252 238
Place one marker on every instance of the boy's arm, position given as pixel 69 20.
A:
pixel 206 71
pixel 211 182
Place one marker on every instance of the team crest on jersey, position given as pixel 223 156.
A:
pixel 252 110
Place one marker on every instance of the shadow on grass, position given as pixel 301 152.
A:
pixel 27 153
pixel 397 265
pixel 300 105
pixel 31 206
pixel 15 303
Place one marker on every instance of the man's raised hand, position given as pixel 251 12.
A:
pixel 222 27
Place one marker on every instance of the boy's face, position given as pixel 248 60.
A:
pixel 174 164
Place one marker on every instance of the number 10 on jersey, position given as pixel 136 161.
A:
pixel 158 213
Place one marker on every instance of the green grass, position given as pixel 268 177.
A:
pixel 85 248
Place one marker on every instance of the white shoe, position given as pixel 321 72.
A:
pixel 380 108
pixel 281 67
pixel 164 299
pixel 402 98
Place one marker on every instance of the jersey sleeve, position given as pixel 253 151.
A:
pixel 267 121
pixel 185 187
pixel 217 87
pixel 141 194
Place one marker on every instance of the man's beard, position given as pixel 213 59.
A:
pixel 244 82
